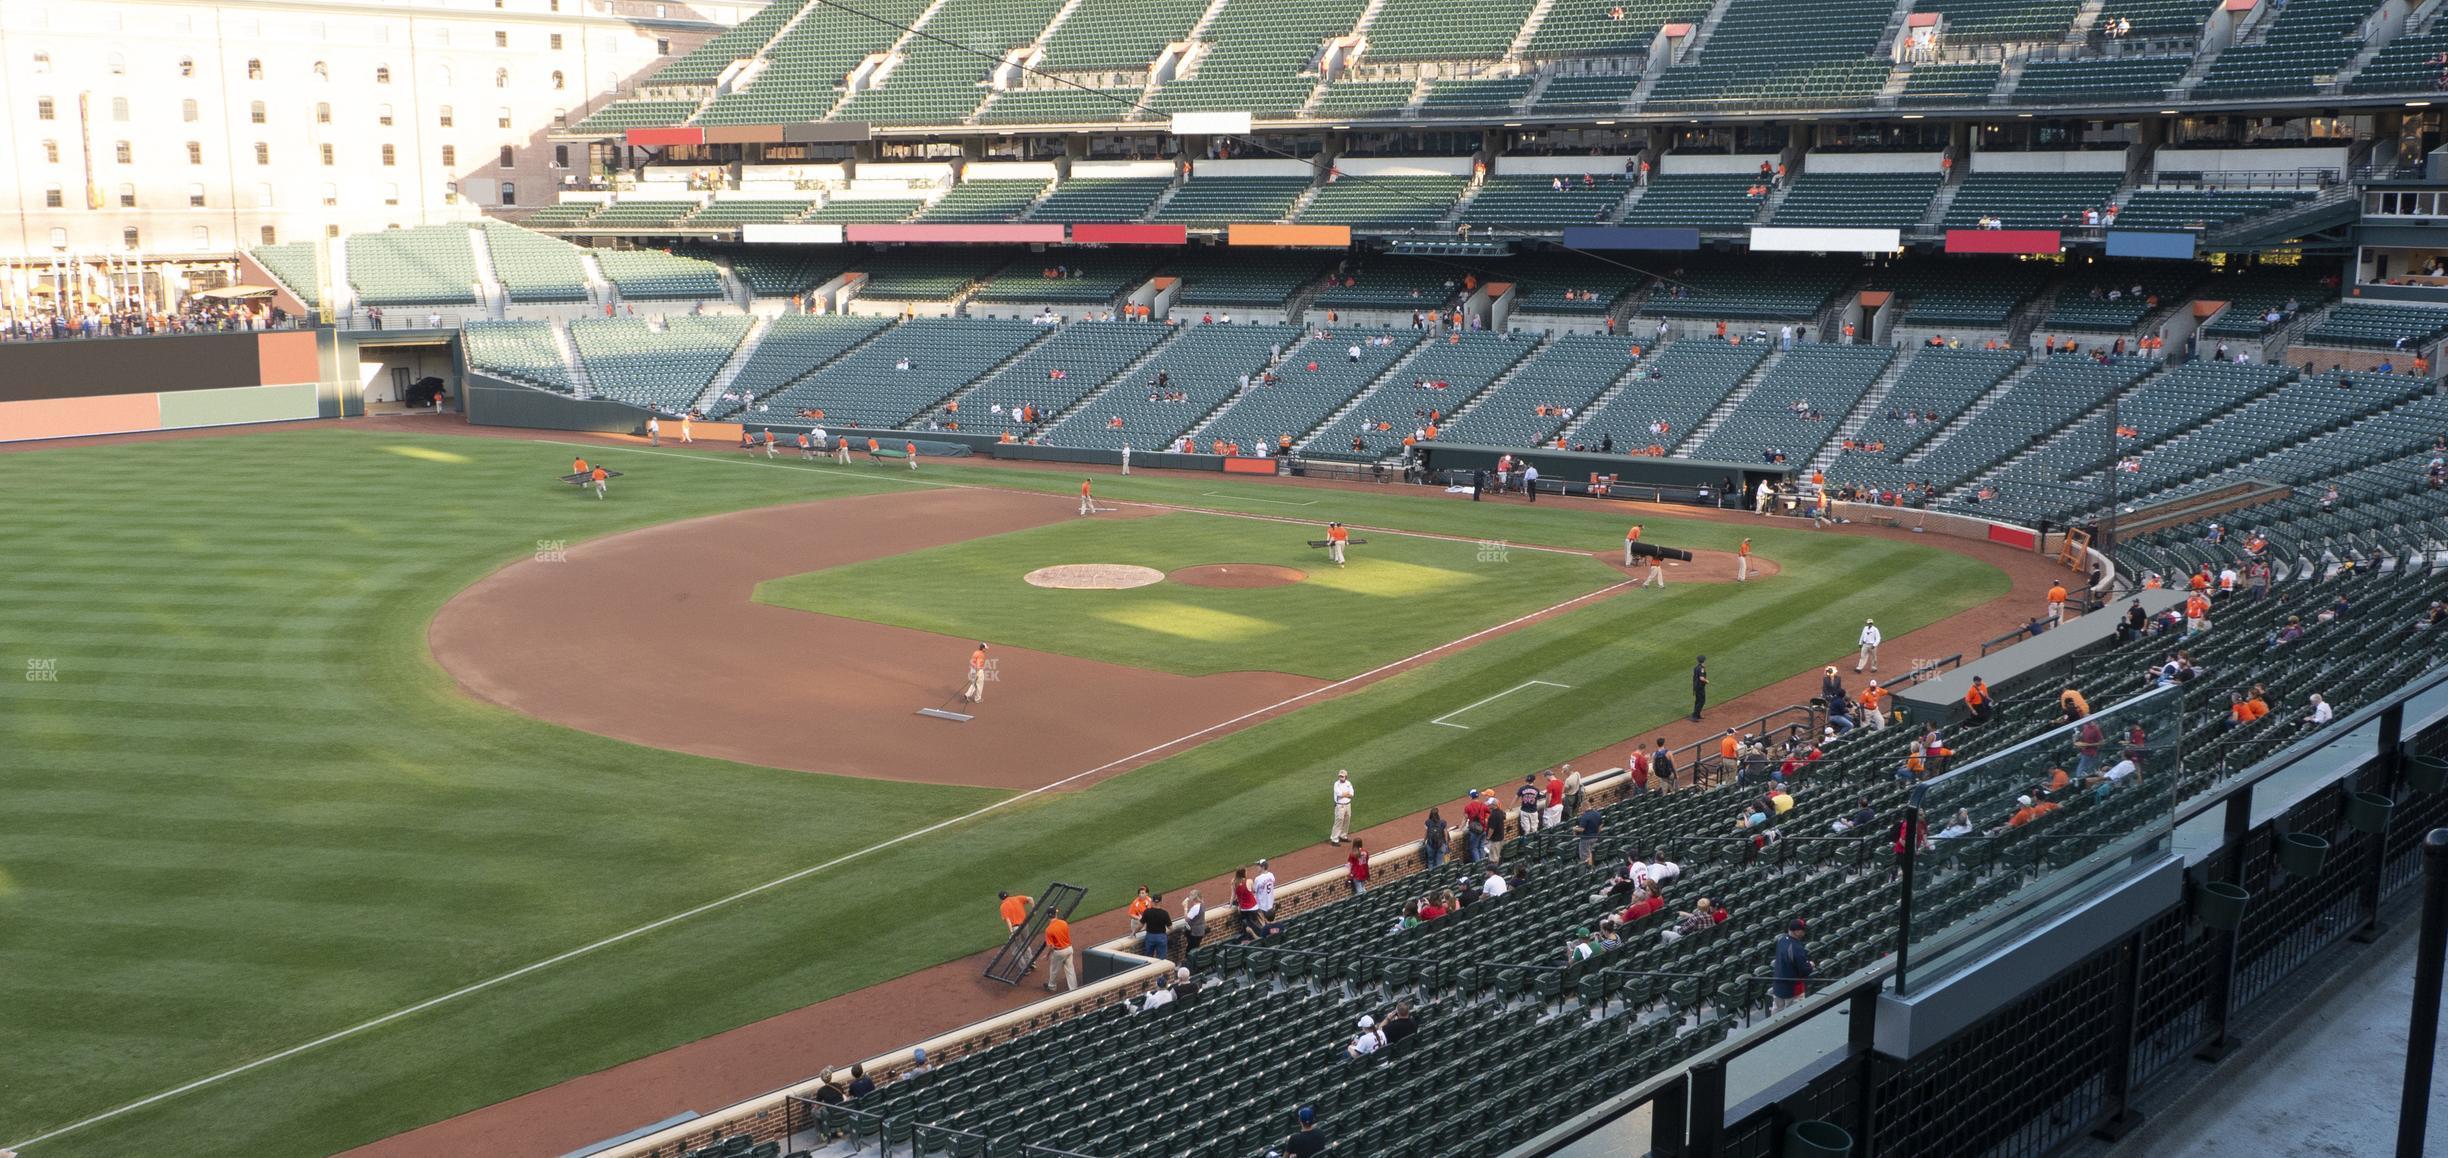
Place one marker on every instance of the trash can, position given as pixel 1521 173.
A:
pixel 2220 905
pixel 2301 854
pixel 1818 1140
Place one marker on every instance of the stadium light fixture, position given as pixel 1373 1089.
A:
pixel 2024 116
pixel 1914 116
pixel 2418 104
pixel 1602 123
pixel 2167 112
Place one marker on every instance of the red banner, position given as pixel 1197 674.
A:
pixel 2003 241
pixel 2012 537
pixel 683 135
pixel 1130 234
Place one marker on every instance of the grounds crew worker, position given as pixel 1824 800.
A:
pixel 1742 562
pixel 1630 537
pixel 599 476
pixel 1336 536
pixel 1015 909
pixel 1087 503
pixel 976 692
pixel 578 465
pixel 909 450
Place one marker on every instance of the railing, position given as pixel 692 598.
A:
pixel 2303 177
pixel 843 1119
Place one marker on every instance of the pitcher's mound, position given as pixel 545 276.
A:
pixel 1238 575
pixel 1094 576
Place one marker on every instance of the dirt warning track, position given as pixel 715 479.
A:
pixel 652 637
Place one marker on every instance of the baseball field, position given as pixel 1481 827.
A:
pixel 352 779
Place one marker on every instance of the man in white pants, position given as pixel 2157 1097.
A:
pixel 1869 647
pixel 1087 503
pixel 841 449
pixel 654 431
pixel 1342 806
pixel 685 437
pixel 1126 460
pixel 1657 575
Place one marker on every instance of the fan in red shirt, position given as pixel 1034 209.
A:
pixel 1358 865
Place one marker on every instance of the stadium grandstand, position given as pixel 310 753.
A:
pixel 2150 297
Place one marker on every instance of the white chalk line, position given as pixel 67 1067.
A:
pixel 1492 699
pixel 788 878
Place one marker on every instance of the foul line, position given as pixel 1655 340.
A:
pixel 789 878
pixel 1492 699
pixel 1256 499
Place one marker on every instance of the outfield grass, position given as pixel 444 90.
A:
pixel 1402 594
pixel 251 811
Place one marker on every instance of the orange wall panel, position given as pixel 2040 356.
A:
pixel 70 417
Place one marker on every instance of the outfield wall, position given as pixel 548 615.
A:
pixel 81 387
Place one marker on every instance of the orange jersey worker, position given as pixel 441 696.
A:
pixel 598 476
pixel 975 693
pixel 1742 562
pixel 1015 909
pixel 1087 501
pixel 1630 537
pixel 1336 536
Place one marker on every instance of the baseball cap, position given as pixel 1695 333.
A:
pixel 1796 925
pixel 1831 669
pixel 2025 801
pixel 1474 794
pixel 1262 862
pixel 1308 1114
pixel 1367 1022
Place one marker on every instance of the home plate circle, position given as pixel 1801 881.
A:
pixel 1094 576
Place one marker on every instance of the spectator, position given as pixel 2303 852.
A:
pixel 1957 825
pixel 1590 823
pixel 1703 916
pixel 1474 828
pixel 1495 885
pixel 1397 1026
pixel 1357 867
pixel 2321 713
pixel 860 1084
pixel 1572 779
pixel 1432 840
pixel 1245 907
pixel 1793 965
pixel 1308 1141
pixel 1264 887
pixel 1862 816
pixel 1164 995
pixel 2071 705
pixel 1193 923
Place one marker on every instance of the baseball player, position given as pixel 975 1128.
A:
pixel 976 691
pixel 1336 535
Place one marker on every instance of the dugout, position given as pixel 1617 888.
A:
pixel 1673 480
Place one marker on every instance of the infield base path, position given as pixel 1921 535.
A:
pixel 652 636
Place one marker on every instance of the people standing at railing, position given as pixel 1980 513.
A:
pixel 1433 840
